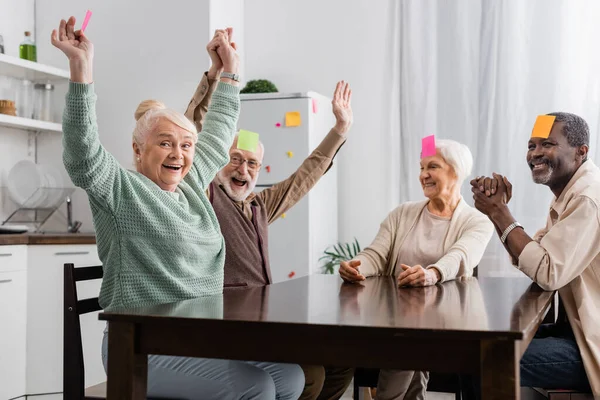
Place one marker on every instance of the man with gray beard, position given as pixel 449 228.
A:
pixel 244 216
pixel 563 256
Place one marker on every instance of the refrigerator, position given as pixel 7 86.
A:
pixel 290 127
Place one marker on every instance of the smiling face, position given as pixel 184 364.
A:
pixel 552 161
pixel 437 177
pixel 166 155
pixel 239 176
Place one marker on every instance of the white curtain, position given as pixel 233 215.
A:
pixel 479 72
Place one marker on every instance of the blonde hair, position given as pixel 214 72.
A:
pixel 147 115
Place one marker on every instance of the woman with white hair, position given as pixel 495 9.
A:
pixel 158 236
pixel 425 242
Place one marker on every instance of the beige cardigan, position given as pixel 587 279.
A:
pixel 469 233
pixel 565 256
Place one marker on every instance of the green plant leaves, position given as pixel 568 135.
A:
pixel 333 255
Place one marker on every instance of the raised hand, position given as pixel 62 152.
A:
pixel 490 186
pixel 501 195
pixel 78 49
pixel 342 107
pixel 226 50
pixel 349 271
pixel 211 48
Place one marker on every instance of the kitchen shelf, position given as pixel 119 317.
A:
pixel 33 71
pixel 29 124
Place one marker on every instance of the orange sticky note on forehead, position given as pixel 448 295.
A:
pixel 543 126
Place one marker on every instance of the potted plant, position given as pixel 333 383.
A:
pixel 337 253
pixel 259 86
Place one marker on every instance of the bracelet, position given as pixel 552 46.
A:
pixel 508 230
pixel 232 76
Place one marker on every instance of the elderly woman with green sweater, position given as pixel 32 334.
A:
pixel 426 242
pixel 157 234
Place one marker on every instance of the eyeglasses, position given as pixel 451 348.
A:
pixel 237 161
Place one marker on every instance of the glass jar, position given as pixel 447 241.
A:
pixel 43 101
pixel 24 99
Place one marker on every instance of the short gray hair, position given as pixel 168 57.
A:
pixel 575 129
pixel 458 156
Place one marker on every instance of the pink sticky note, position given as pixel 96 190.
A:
pixel 315 105
pixel 88 15
pixel 428 146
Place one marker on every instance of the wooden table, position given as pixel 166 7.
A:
pixel 473 326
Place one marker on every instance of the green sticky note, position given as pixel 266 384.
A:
pixel 247 140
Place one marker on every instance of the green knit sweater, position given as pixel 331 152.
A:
pixel 155 246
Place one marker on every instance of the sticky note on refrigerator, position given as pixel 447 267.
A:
pixel 315 106
pixel 292 118
pixel 86 20
pixel 247 140
pixel 428 146
pixel 543 126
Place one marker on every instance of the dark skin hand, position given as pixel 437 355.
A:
pixel 552 161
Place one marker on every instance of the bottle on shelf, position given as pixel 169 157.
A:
pixel 27 50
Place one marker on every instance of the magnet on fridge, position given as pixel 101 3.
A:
pixel 290 154
pixel 268 168
pixel 291 274
pixel 283 215
pixel 278 125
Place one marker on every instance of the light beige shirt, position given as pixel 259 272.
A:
pixel 564 256
pixel 424 244
pixel 468 235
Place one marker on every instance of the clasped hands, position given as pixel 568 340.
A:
pixel 410 276
pixel 491 194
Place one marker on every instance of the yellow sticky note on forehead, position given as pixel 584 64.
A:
pixel 247 140
pixel 543 126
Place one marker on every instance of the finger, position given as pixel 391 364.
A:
pixel 346 91
pixel 230 33
pixel 234 45
pixel 349 270
pixel 487 185
pixel 54 38
pixel 336 93
pixel 219 32
pixel 406 280
pixel 350 97
pixel 62 30
pixel 414 274
pixel 71 28
pixel 403 275
pixel 354 263
pixel 494 186
pixel 500 181
pixel 482 184
pixel 79 35
pixel 508 187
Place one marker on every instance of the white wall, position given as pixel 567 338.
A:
pixel 230 13
pixel 305 45
pixel 13 142
pixel 16 17
pixel 142 50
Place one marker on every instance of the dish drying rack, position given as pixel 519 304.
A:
pixel 31 212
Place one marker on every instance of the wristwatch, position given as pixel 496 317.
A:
pixel 509 230
pixel 233 77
